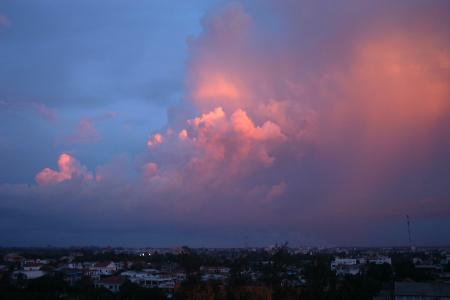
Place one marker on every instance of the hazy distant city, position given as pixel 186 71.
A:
pixel 276 272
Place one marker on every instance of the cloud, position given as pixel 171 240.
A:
pixel 69 169
pixel 341 115
pixel 155 140
pixel 183 134
pixel 217 146
pixel 150 169
pixel 292 123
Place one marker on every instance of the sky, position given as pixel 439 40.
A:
pixel 224 123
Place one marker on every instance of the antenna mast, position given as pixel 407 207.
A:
pixel 409 231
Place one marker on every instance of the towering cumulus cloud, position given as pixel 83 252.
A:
pixel 311 120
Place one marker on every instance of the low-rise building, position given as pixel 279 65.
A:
pixel 416 291
pixel 31 266
pixel 354 266
pixel 151 279
pixel 338 261
pixel 13 258
pixel 380 260
pixel 215 270
pixel 104 268
pixel 27 274
pixel 72 276
pixel 111 283
pixel 343 270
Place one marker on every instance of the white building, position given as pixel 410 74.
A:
pixel 352 266
pixel 347 266
pixel 380 260
pixel 31 267
pixel 104 268
pixel 151 279
pixel 338 261
pixel 348 270
pixel 27 274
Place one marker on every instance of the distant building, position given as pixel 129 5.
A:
pixel 105 268
pixel 338 261
pixel 215 270
pixel 31 266
pixel 213 277
pixel 152 279
pixel 13 258
pixel 72 276
pixel 354 266
pixel 416 291
pixel 3 268
pixel 214 273
pixel 27 275
pixel 343 270
pixel 112 283
pixel 380 260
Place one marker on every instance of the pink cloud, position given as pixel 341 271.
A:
pixel 242 124
pixel 292 128
pixel 69 168
pixel 155 140
pixel 232 143
pixel 354 103
pixel 183 134
pixel 150 169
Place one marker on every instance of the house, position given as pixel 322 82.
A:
pixel 13 258
pixel 214 273
pixel 91 273
pixel 293 282
pixel 3 271
pixel 213 277
pixel 347 266
pixel 335 263
pixel 416 291
pixel 31 266
pixel 151 279
pixel 111 283
pixel 105 268
pixel 342 270
pixel 74 265
pixel 27 275
pixel 67 258
pixel 421 291
pixel 72 276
